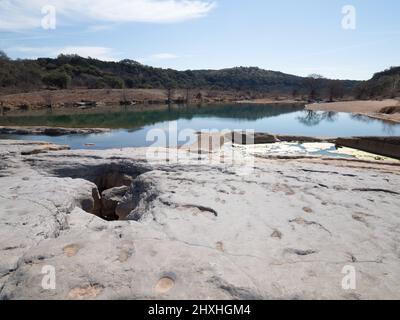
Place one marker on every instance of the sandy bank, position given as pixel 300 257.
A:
pixel 371 108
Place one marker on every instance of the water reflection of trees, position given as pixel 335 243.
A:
pixel 389 128
pixel 242 111
pixel 361 118
pixel 313 118
pixel 139 116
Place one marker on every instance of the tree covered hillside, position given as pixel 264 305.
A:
pixel 72 71
pixel 384 84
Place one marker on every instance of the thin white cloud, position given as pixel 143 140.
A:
pixel 16 15
pixel 101 53
pixel 99 27
pixel 159 11
pixel 163 56
pixel 158 57
pixel 29 50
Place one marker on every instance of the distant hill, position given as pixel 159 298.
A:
pixel 72 71
pixel 385 84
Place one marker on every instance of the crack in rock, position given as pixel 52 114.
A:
pixel 330 172
pixel 376 190
pixel 201 208
pixel 300 252
pixel 302 221
pixel 190 206
pixel 238 293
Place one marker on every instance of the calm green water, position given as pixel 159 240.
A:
pixel 131 125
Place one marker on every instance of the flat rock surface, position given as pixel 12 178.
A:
pixel 50 131
pixel 201 229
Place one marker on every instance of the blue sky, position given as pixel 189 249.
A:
pixel 294 36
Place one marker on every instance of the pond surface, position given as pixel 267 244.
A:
pixel 131 125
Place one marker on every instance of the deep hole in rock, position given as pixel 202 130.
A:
pixel 111 190
pixel 116 193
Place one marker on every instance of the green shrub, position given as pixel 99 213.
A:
pixel 114 82
pixel 60 80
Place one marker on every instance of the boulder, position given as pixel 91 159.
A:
pixel 390 110
pixel 110 199
pixel 125 207
pixel 384 146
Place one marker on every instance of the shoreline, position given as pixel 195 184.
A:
pixel 378 146
pixel 82 100
pixel 49 131
pixel 271 101
pixel 86 98
pixel 369 108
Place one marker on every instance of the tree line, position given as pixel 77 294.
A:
pixel 385 84
pixel 73 71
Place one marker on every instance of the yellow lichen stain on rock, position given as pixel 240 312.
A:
pixel 84 293
pixel 164 285
pixel 123 256
pixel 281 187
pixel 71 250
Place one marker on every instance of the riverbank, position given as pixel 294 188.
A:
pixel 376 146
pixel 50 131
pixel 302 220
pixel 276 100
pixel 88 98
pixel 388 109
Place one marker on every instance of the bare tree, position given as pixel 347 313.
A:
pixel 187 95
pixel 199 97
pixel 124 96
pixel 335 90
pixel 48 99
pixel 170 94
pixel 395 86
pixel 312 83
